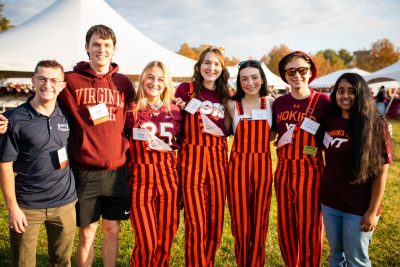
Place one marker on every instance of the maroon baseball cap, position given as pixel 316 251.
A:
pixel 301 54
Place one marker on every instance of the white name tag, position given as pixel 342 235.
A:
pixel 309 126
pixel 158 144
pixel 210 127
pixel 63 127
pixel 327 140
pixel 140 134
pixel 286 138
pixel 99 113
pixel 259 114
pixel 193 105
pixel 62 158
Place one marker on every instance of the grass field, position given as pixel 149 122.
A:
pixel 384 250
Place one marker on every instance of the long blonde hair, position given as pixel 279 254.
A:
pixel 168 94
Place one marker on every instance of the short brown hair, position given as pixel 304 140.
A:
pixel 103 31
pixel 294 55
pixel 49 63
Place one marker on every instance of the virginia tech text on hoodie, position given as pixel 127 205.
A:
pixel 102 146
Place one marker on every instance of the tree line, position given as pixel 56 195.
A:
pixel 381 54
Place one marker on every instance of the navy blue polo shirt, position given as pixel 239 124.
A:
pixel 32 142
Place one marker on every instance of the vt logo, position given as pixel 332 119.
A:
pixel 338 141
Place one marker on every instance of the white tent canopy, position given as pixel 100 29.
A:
pixel 389 73
pixel 330 79
pixel 58 32
pixel 272 79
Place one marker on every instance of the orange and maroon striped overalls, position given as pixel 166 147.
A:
pixel 203 160
pixel 250 187
pixel 155 204
pixel 297 182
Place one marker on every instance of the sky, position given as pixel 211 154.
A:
pixel 250 28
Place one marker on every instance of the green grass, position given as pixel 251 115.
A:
pixel 384 250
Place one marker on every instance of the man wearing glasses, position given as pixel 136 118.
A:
pixel 297 116
pixel 96 97
pixel 43 190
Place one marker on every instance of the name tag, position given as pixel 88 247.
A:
pixel 193 106
pixel 210 127
pixel 327 140
pixel 63 127
pixel 259 114
pixel 309 126
pixel 286 138
pixel 310 150
pixel 140 134
pixel 158 144
pixel 62 158
pixel 99 113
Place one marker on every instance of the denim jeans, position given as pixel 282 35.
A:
pixel 381 107
pixel 348 244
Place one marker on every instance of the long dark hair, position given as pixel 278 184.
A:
pixel 365 129
pixel 250 64
pixel 221 83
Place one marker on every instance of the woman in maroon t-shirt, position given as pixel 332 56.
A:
pixel 357 161
pixel 203 156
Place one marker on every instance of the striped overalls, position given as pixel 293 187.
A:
pixel 250 187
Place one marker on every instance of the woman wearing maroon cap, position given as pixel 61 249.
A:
pixel 297 116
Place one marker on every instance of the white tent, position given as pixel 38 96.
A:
pixel 330 79
pixel 272 79
pixel 58 32
pixel 389 73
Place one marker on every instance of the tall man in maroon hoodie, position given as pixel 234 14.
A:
pixel 97 97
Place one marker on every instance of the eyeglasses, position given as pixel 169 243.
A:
pixel 249 62
pixel 292 71
pixel 43 80
pixel 342 91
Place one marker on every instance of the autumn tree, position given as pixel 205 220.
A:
pixel 382 54
pixel 346 56
pixel 194 53
pixel 272 59
pixel 363 60
pixel 5 23
pixel 327 61
pixel 232 61
pixel 188 51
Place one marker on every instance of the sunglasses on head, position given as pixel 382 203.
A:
pixel 249 62
pixel 292 71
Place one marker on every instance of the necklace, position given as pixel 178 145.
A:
pixel 156 106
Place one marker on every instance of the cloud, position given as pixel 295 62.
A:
pixel 20 10
pixel 252 27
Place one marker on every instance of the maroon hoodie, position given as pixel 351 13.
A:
pixel 101 146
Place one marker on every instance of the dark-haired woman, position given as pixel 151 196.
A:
pixel 250 171
pixel 357 159
pixel 203 156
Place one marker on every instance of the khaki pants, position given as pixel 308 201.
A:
pixel 60 223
